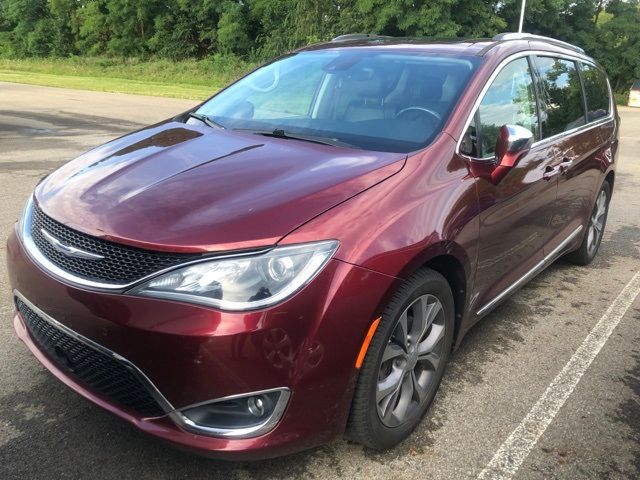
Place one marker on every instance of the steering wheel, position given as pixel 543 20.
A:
pixel 270 87
pixel 433 116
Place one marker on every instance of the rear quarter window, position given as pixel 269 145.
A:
pixel 596 91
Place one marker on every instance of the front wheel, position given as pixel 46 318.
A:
pixel 587 251
pixel 405 361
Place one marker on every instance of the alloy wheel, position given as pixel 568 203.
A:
pixel 596 223
pixel 410 360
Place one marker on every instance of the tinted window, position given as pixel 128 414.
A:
pixel 636 85
pixel 597 92
pixel 374 100
pixel 561 96
pixel 509 100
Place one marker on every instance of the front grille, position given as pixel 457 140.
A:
pixel 100 372
pixel 121 264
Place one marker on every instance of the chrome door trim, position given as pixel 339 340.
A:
pixel 550 257
pixel 528 53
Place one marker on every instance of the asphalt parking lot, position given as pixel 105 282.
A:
pixel 504 367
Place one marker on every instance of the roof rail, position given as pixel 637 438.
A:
pixel 529 36
pixel 357 36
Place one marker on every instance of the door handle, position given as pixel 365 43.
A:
pixel 551 172
pixel 566 164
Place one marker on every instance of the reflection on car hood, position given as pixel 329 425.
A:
pixel 187 188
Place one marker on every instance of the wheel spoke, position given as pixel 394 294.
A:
pixel 419 325
pixel 432 358
pixel 419 393
pixel 598 228
pixel 389 385
pixel 392 351
pixel 432 341
pixel 389 405
pixel 406 395
pixel 434 309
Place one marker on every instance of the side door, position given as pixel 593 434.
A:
pixel 570 128
pixel 515 213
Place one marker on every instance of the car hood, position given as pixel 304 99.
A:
pixel 179 187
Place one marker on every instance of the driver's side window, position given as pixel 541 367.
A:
pixel 510 100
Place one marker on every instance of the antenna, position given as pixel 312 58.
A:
pixel 522 5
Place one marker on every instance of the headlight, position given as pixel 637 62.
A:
pixel 243 283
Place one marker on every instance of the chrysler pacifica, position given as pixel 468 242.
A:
pixel 297 257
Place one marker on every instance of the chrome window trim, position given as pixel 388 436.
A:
pixel 528 53
pixel 537 268
pixel 172 412
pixel 246 432
pixel 74 280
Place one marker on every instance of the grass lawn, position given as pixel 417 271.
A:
pixel 193 79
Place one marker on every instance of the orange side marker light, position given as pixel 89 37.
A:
pixel 367 341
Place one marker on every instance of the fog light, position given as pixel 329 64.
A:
pixel 256 406
pixel 243 416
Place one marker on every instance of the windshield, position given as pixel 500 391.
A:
pixel 372 100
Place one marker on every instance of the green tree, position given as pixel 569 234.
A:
pixel 63 14
pixel 260 29
pixel 130 26
pixel 616 43
pixel 91 27
pixel 233 34
pixel 478 18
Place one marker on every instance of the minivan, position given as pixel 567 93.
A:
pixel 297 257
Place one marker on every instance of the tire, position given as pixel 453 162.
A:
pixel 370 423
pixel 592 239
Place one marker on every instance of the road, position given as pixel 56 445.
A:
pixel 504 366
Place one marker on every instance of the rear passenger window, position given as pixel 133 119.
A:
pixel 510 100
pixel 561 95
pixel 596 91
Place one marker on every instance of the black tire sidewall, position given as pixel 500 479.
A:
pixel 433 284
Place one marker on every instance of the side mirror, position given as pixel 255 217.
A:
pixel 512 144
pixel 513 141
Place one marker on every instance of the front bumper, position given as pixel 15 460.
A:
pixel 190 354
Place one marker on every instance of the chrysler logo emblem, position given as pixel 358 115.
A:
pixel 68 250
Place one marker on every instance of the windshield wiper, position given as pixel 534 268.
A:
pixel 280 133
pixel 206 120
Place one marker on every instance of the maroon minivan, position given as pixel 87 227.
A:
pixel 297 257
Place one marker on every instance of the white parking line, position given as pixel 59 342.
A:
pixel 514 450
